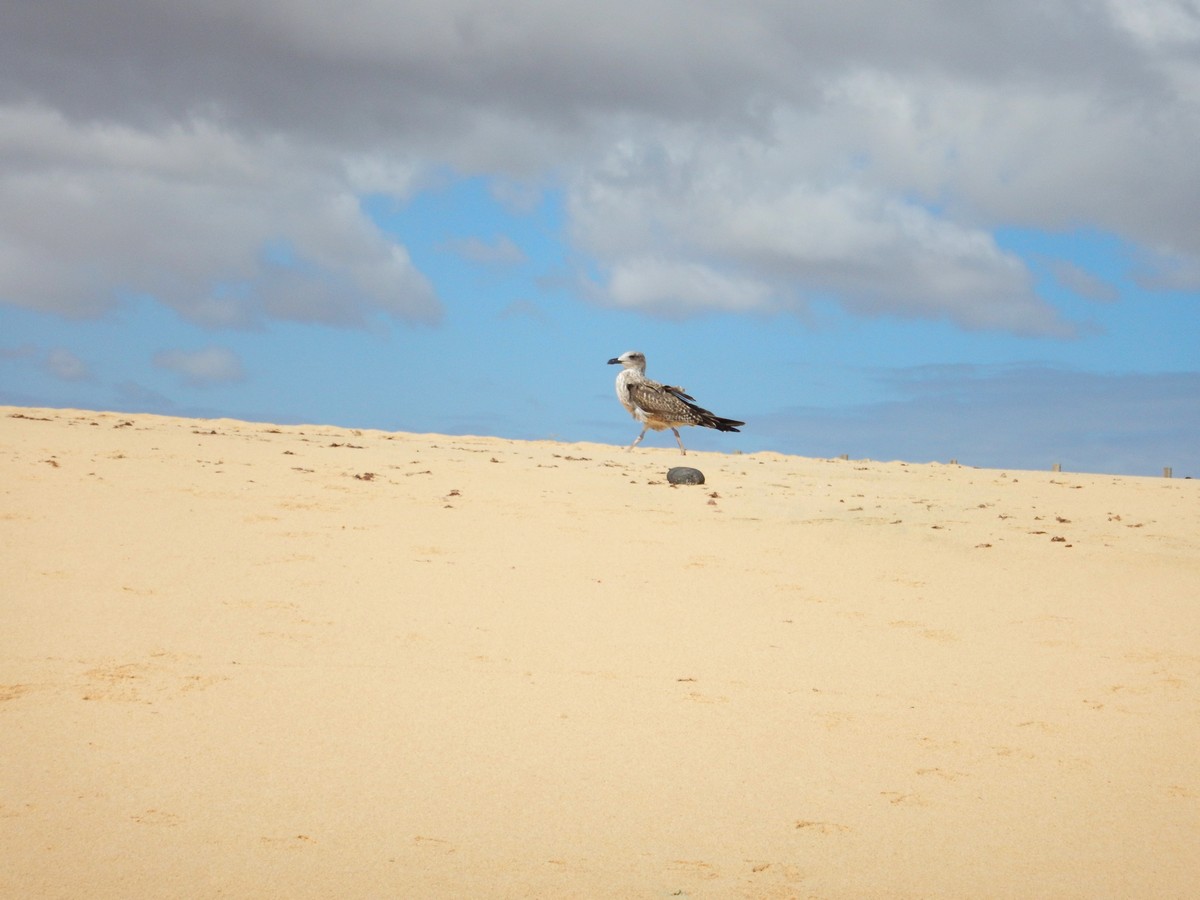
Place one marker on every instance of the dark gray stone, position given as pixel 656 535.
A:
pixel 685 475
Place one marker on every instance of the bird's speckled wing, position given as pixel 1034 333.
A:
pixel 662 404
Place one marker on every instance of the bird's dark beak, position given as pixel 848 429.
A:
pixel 614 361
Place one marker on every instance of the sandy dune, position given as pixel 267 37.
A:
pixel 242 660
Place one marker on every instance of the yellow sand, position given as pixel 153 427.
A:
pixel 242 660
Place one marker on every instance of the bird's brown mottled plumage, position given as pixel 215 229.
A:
pixel 660 406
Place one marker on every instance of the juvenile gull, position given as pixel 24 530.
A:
pixel 660 406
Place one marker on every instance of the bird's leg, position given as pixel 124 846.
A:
pixel 678 440
pixel 637 440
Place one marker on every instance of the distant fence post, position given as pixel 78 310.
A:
pixel 1167 472
pixel 1057 467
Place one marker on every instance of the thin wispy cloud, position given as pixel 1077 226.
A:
pixel 20 352
pixel 1084 283
pixel 202 368
pixel 502 251
pixel 65 365
pixel 525 309
pixel 59 362
pixel 1012 416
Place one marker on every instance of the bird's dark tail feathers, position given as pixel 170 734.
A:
pixel 705 418
pixel 720 424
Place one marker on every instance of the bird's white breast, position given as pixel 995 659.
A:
pixel 623 379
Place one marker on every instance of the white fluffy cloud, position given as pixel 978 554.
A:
pixel 186 212
pixel 671 287
pixel 696 223
pixel 715 156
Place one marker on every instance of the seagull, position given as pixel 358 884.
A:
pixel 660 406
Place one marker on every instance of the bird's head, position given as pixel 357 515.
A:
pixel 630 359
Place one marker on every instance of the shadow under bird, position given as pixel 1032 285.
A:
pixel 660 406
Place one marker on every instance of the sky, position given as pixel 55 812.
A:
pixel 920 231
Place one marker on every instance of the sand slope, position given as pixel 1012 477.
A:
pixel 241 660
